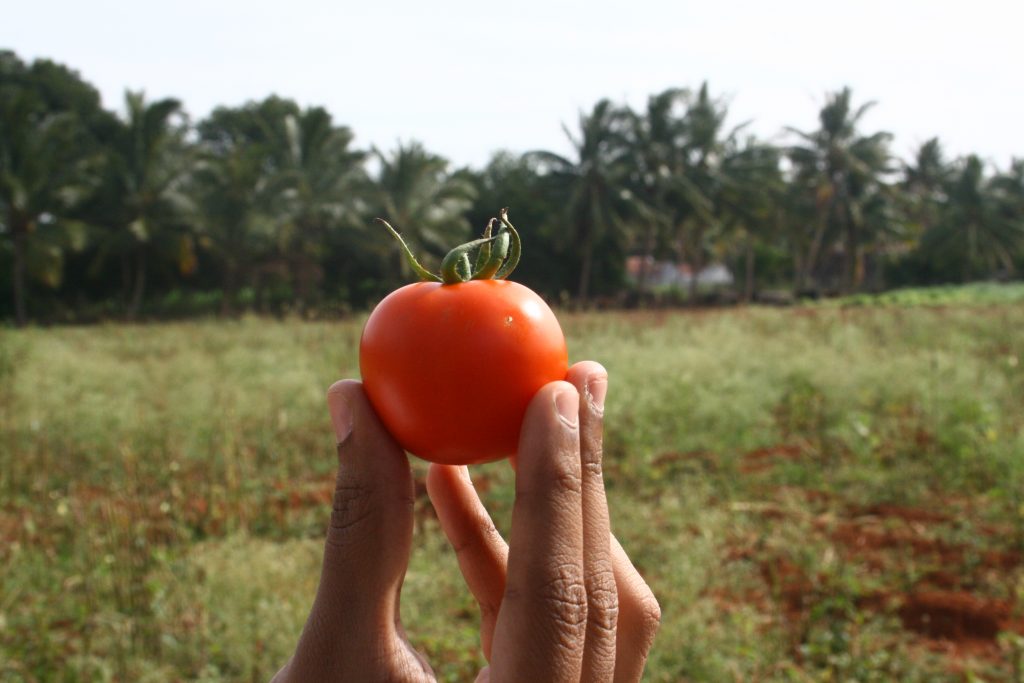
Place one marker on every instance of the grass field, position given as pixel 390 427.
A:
pixel 814 494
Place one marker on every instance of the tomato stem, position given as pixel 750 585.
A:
pixel 515 249
pixel 498 255
pixel 484 254
pixel 452 265
pixel 499 251
pixel 416 267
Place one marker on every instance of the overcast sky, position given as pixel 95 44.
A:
pixel 468 78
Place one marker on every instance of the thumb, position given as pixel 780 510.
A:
pixel 370 535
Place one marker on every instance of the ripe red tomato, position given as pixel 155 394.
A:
pixel 450 368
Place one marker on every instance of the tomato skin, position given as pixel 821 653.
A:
pixel 450 369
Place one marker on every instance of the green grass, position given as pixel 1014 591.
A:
pixel 945 295
pixel 787 481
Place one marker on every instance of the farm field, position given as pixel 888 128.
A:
pixel 822 493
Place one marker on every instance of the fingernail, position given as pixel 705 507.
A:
pixel 597 389
pixel 341 416
pixel 567 403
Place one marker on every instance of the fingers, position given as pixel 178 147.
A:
pixel 574 607
pixel 639 618
pixel 369 537
pixel 543 618
pixel 591 382
pixel 481 552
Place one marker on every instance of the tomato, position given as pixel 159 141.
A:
pixel 451 363
pixel 450 368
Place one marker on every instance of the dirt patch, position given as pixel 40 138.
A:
pixel 956 616
pixel 956 607
pixel 790 584
pixel 761 459
pixel 675 460
pixel 907 514
pixel 866 543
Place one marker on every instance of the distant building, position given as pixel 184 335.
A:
pixel 671 274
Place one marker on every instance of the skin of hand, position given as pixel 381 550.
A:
pixel 560 602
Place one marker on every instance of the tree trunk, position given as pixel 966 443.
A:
pixel 228 287
pixel 646 261
pixel 302 279
pixel 583 289
pixel 18 275
pixel 798 267
pixel 807 272
pixel 696 264
pixel 139 288
pixel 259 299
pixel 126 279
pixel 748 276
pixel 819 237
pixel 850 248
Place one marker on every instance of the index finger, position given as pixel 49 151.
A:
pixel 542 624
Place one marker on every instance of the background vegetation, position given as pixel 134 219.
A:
pixel 268 206
pixel 815 494
pixel 829 492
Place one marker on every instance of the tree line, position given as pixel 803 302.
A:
pixel 268 206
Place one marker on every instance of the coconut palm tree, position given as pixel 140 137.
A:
pixel 841 169
pixel 924 184
pixel 751 202
pixel 236 188
pixel 981 230
pixel 592 184
pixel 1007 189
pixel 658 140
pixel 320 182
pixel 46 163
pixel 702 185
pixel 145 210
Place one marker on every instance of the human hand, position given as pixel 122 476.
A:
pixel 563 604
pixel 561 601
pixel 354 631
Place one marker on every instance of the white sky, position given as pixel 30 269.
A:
pixel 467 78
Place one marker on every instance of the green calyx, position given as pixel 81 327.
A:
pixel 497 255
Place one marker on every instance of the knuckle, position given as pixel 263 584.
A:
pixel 640 609
pixel 592 449
pixel 351 508
pixel 650 616
pixel 564 483
pixel 592 467
pixel 603 601
pixel 568 480
pixel 565 599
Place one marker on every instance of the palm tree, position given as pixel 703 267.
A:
pixel 924 184
pixel 751 202
pixel 1007 189
pixel 414 190
pixel 841 169
pixel 708 148
pixel 45 171
pixel 976 233
pixel 320 180
pixel 145 207
pixel 592 184
pixel 683 153
pixel 236 189
pixel 658 138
